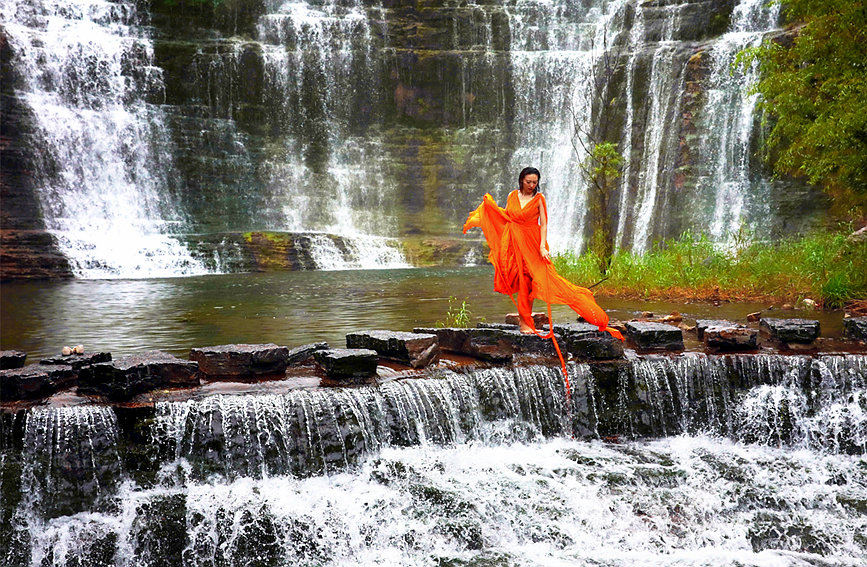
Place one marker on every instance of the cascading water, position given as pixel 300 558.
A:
pixel 640 206
pixel 102 150
pixel 330 180
pixel 555 48
pixel 458 468
pixel 737 196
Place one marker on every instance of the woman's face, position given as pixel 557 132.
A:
pixel 529 183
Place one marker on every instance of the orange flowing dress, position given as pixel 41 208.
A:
pixel 514 238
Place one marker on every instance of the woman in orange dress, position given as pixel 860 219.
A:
pixel 518 239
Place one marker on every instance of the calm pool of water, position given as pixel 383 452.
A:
pixel 290 308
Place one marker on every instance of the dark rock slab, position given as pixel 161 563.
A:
pixel 78 361
pixel 702 324
pixel 355 364
pixel 855 327
pixel 586 341
pixel 34 381
pixel 413 349
pixel 299 354
pixel 493 342
pixel 124 378
pixel 241 361
pixel 12 359
pixel 731 338
pixel 650 336
pixel 802 331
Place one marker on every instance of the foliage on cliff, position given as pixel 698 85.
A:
pixel 814 91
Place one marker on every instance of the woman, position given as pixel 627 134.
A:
pixel 518 239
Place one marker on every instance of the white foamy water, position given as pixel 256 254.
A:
pixel 673 502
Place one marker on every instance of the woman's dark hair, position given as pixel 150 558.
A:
pixel 524 173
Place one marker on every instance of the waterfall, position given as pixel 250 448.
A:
pixel 737 196
pixel 642 187
pixel 555 49
pixel 463 466
pixel 102 152
pixel 332 179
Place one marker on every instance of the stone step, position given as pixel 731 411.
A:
pixel 730 339
pixel 855 327
pixel 587 342
pixel 125 378
pixel 78 361
pixel 241 360
pixel 348 364
pixel 649 336
pixel 800 331
pixel 413 349
pixel 10 359
pixel 34 381
pixel 302 353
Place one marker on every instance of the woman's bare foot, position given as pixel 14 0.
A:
pixel 525 330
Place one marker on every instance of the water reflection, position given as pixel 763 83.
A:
pixel 290 308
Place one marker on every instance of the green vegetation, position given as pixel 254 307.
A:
pixel 814 91
pixel 603 168
pixel 828 268
pixel 457 316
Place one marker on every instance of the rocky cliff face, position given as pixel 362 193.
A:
pixel 393 118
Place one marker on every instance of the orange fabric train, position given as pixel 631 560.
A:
pixel 514 239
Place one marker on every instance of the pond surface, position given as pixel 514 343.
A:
pixel 288 308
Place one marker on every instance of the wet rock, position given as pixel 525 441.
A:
pixel 126 377
pixel 241 361
pixel 654 336
pixel 855 327
pixel 493 342
pixel 702 324
pixel 78 361
pixel 413 349
pixel 299 354
pixel 10 359
pixel 754 317
pixel 586 341
pixel 801 331
pixel 34 381
pixel 539 319
pixel 730 338
pixel 355 364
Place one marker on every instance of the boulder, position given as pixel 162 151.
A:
pixel 78 361
pixel 354 364
pixel 299 354
pixel 802 331
pixel 12 359
pixel 702 324
pixel 124 378
pixel 241 361
pixel 413 349
pixel 731 338
pixel 34 381
pixel 586 341
pixel 855 327
pixel 651 336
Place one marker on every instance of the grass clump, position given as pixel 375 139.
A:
pixel 827 267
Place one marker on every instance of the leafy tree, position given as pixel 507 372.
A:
pixel 814 93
